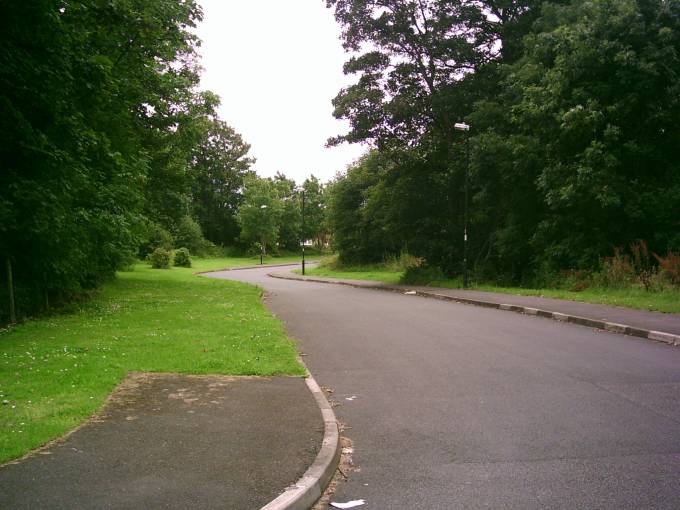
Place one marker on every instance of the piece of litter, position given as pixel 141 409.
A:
pixel 410 293
pixel 349 504
pixel 351 398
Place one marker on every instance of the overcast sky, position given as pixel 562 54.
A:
pixel 277 65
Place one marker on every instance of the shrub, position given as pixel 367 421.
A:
pixel 575 280
pixel 422 275
pixel 403 261
pixel 669 268
pixel 642 264
pixel 154 236
pixel 127 261
pixel 189 235
pixel 617 271
pixel 182 258
pixel 160 258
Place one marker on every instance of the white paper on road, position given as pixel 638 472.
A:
pixel 351 398
pixel 410 293
pixel 349 504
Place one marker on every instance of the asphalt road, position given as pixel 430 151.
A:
pixel 464 407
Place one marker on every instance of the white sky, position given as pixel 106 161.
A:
pixel 276 65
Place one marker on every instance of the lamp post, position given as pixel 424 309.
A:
pixel 302 236
pixel 262 207
pixel 461 126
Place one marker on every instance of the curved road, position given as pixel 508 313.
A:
pixel 464 407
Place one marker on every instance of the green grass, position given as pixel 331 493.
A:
pixel 662 301
pixel 358 273
pixel 199 265
pixel 667 301
pixel 57 371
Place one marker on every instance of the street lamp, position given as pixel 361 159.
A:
pixel 262 207
pixel 302 236
pixel 461 126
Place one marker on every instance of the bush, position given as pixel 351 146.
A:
pixel 617 271
pixel 422 275
pixel 154 236
pixel 642 264
pixel 189 235
pixel 669 268
pixel 160 258
pixel 182 258
pixel 403 261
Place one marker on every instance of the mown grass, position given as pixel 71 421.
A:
pixel 355 273
pixel 214 264
pixel 667 301
pixel 57 371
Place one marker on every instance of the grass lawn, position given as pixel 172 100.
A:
pixel 663 301
pixel 57 371
pixel 200 265
pixel 360 273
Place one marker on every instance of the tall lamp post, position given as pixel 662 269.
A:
pixel 303 231
pixel 461 126
pixel 262 207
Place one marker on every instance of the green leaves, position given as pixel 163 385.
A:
pixel 574 147
pixel 92 90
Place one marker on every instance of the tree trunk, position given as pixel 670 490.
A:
pixel 46 294
pixel 10 290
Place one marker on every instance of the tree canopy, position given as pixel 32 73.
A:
pixel 573 144
pixel 107 142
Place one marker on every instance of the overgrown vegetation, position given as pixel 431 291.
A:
pixel 55 372
pixel 573 145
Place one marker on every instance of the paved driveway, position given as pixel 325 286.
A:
pixel 463 407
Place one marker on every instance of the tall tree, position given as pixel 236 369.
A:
pixel 573 150
pixel 315 213
pixel 598 89
pixel 81 85
pixel 219 165
pixel 259 214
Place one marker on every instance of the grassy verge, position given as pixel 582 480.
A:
pixel 355 273
pixel 662 301
pixel 200 265
pixel 56 371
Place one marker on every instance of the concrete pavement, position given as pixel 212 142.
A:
pixel 466 407
pixel 176 442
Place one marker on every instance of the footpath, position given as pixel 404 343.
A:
pixel 657 326
pixel 175 441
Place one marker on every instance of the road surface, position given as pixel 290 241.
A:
pixel 464 407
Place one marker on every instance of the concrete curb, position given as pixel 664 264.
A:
pixel 307 490
pixel 624 329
